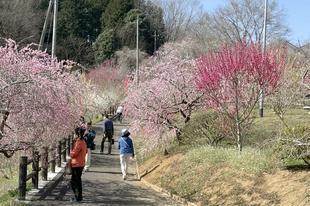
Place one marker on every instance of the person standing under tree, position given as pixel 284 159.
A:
pixel 108 132
pixel 77 155
pixel 89 137
pixel 126 151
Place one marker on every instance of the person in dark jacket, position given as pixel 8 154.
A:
pixel 126 151
pixel 77 155
pixel 89 137
pixel 108 132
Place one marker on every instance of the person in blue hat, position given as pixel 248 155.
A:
pixel 126 151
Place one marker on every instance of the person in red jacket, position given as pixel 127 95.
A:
pixel 77 155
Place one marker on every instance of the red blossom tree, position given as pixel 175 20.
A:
pixel 166 96
pixel 39 102
pixel 232 78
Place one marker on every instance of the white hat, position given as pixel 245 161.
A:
pixel 125 132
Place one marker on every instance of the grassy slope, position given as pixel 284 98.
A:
pixel 267 127
pixel 218 176
pixel 9 181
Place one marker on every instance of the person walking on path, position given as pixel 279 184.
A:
pixel 126 151
pixel 108 132
pixel 119 113
pixel 89 137
pixel 77 155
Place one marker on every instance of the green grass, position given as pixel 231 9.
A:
pixel 9 194
pixel 266 128
pixel 250 160
pixel 188 177
pixel 9 180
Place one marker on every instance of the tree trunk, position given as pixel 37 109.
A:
pixel 178 135
pixel 239 137
pixel 166 152
pixel 237 118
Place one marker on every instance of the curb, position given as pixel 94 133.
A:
pixel 166 192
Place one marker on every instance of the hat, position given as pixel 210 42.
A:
pixel 125 132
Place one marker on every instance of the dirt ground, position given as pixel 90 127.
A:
pixel 226 187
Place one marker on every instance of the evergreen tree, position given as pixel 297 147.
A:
pixel 79 25
pixel 115 12
pixel 121 16
pixel 105 45
pixel 127 33
pixel 71 16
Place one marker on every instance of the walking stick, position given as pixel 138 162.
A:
pixel 137 167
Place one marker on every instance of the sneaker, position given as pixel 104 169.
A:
pixel 124 177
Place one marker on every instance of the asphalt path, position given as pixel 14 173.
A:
pixel 103 183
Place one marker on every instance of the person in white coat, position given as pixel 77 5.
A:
pixel 119 113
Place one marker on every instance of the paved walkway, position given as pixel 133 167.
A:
pixel 103 183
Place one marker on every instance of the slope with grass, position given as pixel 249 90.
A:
pixel 213 176
pixel 222 176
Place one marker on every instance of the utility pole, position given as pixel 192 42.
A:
pixel 261 93
pixel 54 28
pixel 45 25
pixel 137 52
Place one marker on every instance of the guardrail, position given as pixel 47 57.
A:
pixel 47 158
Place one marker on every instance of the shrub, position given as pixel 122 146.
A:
pixel 205 128
pixel 294 143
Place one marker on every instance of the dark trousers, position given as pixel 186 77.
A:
pixel 76 182
pixel 120 117
pixel 109 136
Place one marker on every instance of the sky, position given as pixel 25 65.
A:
pixel 297 16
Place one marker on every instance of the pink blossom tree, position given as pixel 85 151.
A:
pixel 39 102
pixel 232 78
pixel 106 86
pixel 166 96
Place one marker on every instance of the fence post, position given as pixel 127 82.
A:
pixel 64 159
pixel 53 161
pixel 22 178
pixel 68 145
pixel 44 161
pixel 59 154
pixel 71 141
pixel 35 169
